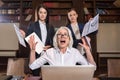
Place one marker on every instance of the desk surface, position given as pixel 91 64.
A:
pixel 38 78
pixel 27 78
pixel 33 78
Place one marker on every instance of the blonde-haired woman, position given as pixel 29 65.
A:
pixel 62 54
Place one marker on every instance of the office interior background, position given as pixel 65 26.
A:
pixel 105 44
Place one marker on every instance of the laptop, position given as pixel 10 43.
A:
pixel 81 72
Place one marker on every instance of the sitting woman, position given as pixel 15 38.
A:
pixel 63 54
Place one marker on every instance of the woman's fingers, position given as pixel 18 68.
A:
pixel 83 40
pixel 32 42
pixel 84 43
pixel 46 47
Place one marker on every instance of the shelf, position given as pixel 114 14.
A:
pixel 27 4
pixel 88 0
pixel 110 18
pixel 108 11
pixel 58 11
pixel 89 4
pixel 15 10
pixel 110 8
pixel 57 5
pixel 27 0
pixel 10 1
pixel 10 11
pixel 105 0
pixel 10 4
pixel 12 7
pixel 57 0
pixel 9 15
pixel 107 15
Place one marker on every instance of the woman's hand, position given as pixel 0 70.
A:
pixel 46 47
pixel 85 44
pixel 23 33
pixel 88 51
pixel 32 42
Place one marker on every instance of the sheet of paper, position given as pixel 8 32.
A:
pixel 91 26
pixel 39 45
pixel 19 35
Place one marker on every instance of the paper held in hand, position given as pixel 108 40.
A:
pixel 39 45
pixel 19 35
pixel 91 26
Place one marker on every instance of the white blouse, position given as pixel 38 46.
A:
pixel 54 57
pixel 43 31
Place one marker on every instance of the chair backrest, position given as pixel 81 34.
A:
pixel 16 66
pixel 8 40
pixel 113 67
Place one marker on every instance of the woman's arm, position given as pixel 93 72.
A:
pixel 35 63
pixel 88 52
pixel 32 44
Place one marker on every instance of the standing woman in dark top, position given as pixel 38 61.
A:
pixel 44 31
pixel 76 29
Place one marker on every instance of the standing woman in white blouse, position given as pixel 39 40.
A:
pixel 63 53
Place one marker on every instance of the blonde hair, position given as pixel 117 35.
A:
pixel 55 44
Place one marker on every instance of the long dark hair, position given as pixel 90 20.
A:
pixel 43 6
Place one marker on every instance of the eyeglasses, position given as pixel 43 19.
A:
pixel 64 35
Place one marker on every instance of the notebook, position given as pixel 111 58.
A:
pixel 81 72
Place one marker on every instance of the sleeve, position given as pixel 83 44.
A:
pixel 81 59
pixel 81 26
pixel 38 62
pixel 30 29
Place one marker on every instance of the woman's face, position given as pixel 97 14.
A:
pixel 63 38
pixel 42 13
pixel 72 16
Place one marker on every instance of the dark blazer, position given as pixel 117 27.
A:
pixel 76 41
pixel 34 27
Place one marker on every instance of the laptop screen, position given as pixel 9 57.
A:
pixel 81 72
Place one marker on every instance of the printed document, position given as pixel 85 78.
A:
pixel 39 45
pixel 19 35
pixel 91 26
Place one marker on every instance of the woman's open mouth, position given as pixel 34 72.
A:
pixel 62 41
